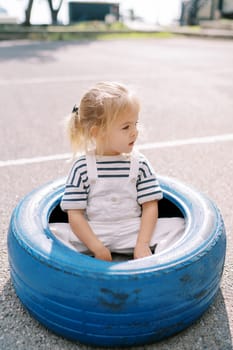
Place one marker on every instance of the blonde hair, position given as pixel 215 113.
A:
pixel 99 107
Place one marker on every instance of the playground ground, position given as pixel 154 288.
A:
pixel 185 86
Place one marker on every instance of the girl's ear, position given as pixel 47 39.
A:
pixel 94 131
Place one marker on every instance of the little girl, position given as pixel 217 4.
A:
pixel 112 193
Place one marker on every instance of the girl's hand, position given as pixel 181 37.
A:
pixel 142 250
pixel 103 253
pixel 83 231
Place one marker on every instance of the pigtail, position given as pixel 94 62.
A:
pixel 74 130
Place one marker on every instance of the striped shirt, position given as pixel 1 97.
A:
pixel 78 186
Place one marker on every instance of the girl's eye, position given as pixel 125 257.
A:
pixel 125 127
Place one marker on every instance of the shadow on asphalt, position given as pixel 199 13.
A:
pixel 42 51
pixel 18 327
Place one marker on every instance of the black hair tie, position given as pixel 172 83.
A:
pixel 75 109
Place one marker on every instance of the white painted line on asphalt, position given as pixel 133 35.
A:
pixel 184 142
pixel 24 161
pixel 42 80
pixel 145 146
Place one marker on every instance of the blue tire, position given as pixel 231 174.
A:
pixel 122 303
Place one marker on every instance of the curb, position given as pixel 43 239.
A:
pixel 62 34
pixel 205 33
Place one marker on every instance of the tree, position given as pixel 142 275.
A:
pixel 53 11
pixel 28 13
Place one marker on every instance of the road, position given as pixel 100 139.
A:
pixel 186 91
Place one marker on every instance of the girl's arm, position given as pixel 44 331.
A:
pixel 148 222
pixel 83 231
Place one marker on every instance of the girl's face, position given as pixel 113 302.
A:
pixel 121 135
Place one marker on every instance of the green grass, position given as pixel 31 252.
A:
pixel 195 28
pixel 94 30
pixel 81 26
pixel 65 36
pixel 94 26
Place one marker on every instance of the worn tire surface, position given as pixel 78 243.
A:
pixel 119 303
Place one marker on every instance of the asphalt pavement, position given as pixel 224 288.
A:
pixel 186 91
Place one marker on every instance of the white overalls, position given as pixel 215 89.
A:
pixel 114 214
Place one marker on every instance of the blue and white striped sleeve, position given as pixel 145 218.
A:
pixel 148 188
pixel 77 187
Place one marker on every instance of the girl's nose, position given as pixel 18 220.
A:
pixel 134 132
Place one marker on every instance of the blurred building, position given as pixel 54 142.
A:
pixel 194 11
pixel 92 11
pixel 5 18
pixel 226 8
